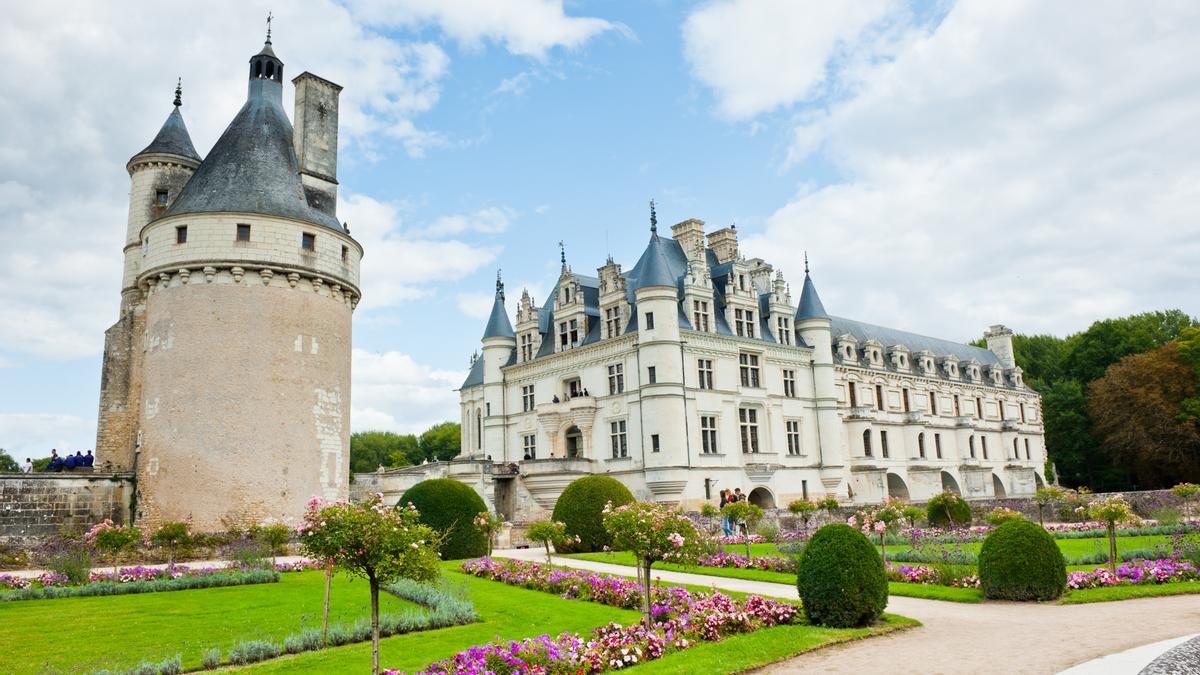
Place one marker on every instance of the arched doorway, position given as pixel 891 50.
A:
pixel 762 498
pixel 574 442
pixel 949 484
pixel 896 487
pixel 998 486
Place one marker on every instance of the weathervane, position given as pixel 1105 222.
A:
pixel 653 218
pixel 269 17
pixel 179 93
pixel 806 262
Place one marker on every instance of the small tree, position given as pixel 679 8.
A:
pixel 1001 514
pixel 173 536
pixel 488 524
pixel 275 537
pixel 746 513
pixel 804 510
pixel 654 532
pixel 881 520
pixel 1046 496
pixel 912 514
pixel 547 532
pixel 373 540
pixel 1187 493
pixel 1112 512
pixel 829 505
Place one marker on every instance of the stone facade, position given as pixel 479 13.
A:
pixel 40 505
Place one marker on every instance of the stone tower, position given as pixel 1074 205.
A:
pixel 226 384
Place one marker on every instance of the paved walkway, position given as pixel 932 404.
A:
pixel 29 574
pixel 994 637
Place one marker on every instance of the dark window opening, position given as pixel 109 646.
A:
pixel 654 446
pixel 345 254
pixel 181 234
pixel 160 197
pixel 652 375
pixel 243 232
pixel 879 397
pixel 308 241
pixel 649 320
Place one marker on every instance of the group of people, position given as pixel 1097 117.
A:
pixel 67 462
pixel 727 523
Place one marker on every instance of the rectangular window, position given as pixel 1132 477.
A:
pixel 243 232
pixel 937 445
pixel 705 369
pixel 957 410
pixel 983 444
pixel 160 197
pixel 700 315
pixel 933 409
pixel 783 331
pixel 527 401
pixel 708 434
pixel 1022 413
pixel 563 335
pixel 793 437
pixel 616 378
pixel 883 443
pixel 907 404
pixel 529 443
pixel 654 446
pixel 979 408
pixel 181 234
pixel 804 489
pixel 748 417
pixel 749 369
pixel 527 347
pixel 345 254
pixel 853 395
pixel 867 451
pixel 308 241
pixel 921 445
pixel 649 320
pixel 1027 454
pixel 612 321
pixel 789 383
pixel 879 397
pixel 574 388
pixel 652 375
pixel 971 442
pixel 1002 411
pixel 619 447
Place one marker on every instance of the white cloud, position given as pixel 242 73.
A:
pixel 761 54
pixel 476 305
pixel 33 435
pixel 1022 162
pixel 490 220
pixel 393 392
pixel 524 27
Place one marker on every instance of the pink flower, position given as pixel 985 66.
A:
pixel 676 539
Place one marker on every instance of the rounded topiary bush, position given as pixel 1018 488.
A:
pixel 948 509
pixel 449 507
pixel 1020 561
pixel 581 508
pixel 840 578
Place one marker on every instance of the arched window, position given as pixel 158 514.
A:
pixel 883 443
pixel 921 445
pixel 258 68
pixel 971 442
pixel 867 443
pixel 1016 452
pixel 478 429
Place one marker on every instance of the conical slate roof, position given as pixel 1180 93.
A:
pixel 498 324
pixel 172 139
pixel 810 303
pixel 654 267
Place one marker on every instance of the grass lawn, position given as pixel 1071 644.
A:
pixel 1129 592
pixel 509 612
pixel 1071 548
pixel 79 634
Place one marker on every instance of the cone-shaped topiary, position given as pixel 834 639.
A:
pixel 1020 561
pixel 840 578
pixel 948 510
pixel 581 508
pixel 449 507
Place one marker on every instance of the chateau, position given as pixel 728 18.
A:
pixel 694 371
pixel 226 379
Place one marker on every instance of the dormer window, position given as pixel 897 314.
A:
pixel 567 295
pixel 849 352
pixel 568 334
pixel 700 315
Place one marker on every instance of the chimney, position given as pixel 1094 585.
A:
pixel 689 234
pixel 1000 342
pixel 724 244
pixel 315 138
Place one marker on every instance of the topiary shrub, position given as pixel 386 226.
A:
pixel 581 508
pixel 948 510
pixel 1020 561
pixel 840 578
pixel 449 507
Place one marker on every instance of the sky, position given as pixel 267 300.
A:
pixel 946 165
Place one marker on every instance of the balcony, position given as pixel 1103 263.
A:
pixel 862 412
pixel 1010 425
pixel 964 421
pixel 914 417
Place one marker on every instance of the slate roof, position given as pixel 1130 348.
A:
pixel 890 336
pixel 810 303
pixel 172 139
pixel 498 324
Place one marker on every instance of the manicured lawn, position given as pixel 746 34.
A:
pixel 79 634
pixel 1129 592
pixel 508 612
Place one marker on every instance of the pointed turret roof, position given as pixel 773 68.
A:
pixel 173 137
pixel 810 303
pixel 498 324
pixel 654 267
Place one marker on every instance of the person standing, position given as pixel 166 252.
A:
pixel 725 527
pixel 27 467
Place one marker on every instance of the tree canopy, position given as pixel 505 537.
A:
pixel 371 449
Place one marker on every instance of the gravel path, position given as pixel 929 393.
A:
pixel 994 637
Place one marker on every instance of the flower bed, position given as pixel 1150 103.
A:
pixel 924 574
pixel 681 620
pixel 1137 572
pixel 741 562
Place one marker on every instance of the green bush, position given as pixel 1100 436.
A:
pixel 840 578
pixel 449 507
pixel 581 508
pixel 948 510
pixel 211 658
pixel 1020 561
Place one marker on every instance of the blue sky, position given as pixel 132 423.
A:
pixel 946 165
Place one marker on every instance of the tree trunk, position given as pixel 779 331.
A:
pixel 1112 547
pixel 883 545
pixel 1040 520
pixel 325 611
pixel 644 572
pixel 547 545
pixel 374 625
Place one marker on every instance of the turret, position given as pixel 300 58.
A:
pixel 499 342
pixel 814 327
pixel 1000 342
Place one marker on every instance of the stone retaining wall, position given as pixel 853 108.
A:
pixel 38 505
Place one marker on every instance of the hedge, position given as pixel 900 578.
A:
pixel 1019 560
pixel 581 508
pixel 449 507
pixel 841 578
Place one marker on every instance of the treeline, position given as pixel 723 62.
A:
pixel 371 449
pixel 1119 400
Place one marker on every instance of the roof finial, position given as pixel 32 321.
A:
pixel 562 254
pixel 653 219
pixel 806 262
pixel 499 283
pixel 269 17
pixel 179 93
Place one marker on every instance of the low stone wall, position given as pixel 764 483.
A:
pixel 38 505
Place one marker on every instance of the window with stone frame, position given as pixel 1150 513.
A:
pixel 792 428
pixel 617 437
pixel 783 330
pixel 1028 455
pixel 1016 450
pixel 700 315
pixel 905 399
pixel 160 198
pixel 852 390
pixel 704 368
pixel 242 233
pixel 749 369
pixel 867 450
pixel 748 421
pixel 308 241
pixel 883 444
pixel 649 320
pixel 612 322
pixel 181 234
pixel 921 445
pixel 879 402
pixel 743 321
pixel 652 375
pixel 616 378
pixel 971 444
pixel 529 446
pixel 708 434
pixel 789 383
pixel 933 403
pixel 979 407
pixel 655 443
pixel 568 334
pixel 937 445
pixel 527 347
pixel 983 446
pixel 527 399
pixel 574 387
